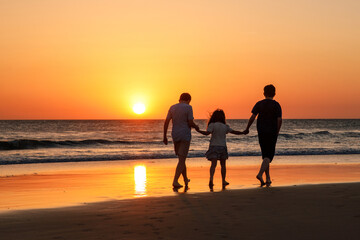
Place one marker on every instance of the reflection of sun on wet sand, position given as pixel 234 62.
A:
pixel 140 180
pixel 328 211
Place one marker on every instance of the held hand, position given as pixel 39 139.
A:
pixel 199 131
pixel 246 131
pixel 203 132
pixel 197 128
pixel 165 140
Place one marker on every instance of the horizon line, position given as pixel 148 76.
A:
pixel 151 119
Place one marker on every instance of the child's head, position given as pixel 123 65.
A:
pixel 217 116
pixel 269 91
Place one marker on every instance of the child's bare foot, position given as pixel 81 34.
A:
pixel 225 183
pixel 187 182
pixel 268 183
pixel 261 180
pixel 177 185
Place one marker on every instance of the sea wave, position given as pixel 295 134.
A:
pixel 22 144
pixel 351 134
pixel 322 133
pixel 319 134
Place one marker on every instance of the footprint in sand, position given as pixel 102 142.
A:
pixel 123 225
pixel 167 211
pixel 58 237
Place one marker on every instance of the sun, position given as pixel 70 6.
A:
pixel 139 108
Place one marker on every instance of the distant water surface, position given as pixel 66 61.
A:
pixel 100 140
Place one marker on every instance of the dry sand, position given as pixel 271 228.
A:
pixel 328 211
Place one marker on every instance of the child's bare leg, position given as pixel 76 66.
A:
pixel 223 172
pixel 264 166
pixel 212 171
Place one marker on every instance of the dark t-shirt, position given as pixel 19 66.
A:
pixel 269 111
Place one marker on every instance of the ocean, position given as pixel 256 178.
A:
pixel 48 141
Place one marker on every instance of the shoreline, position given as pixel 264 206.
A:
pixel 73 184
pixel 284 156
pixel 321 211
pixel 31 168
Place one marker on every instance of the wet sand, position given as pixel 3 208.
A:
pixel 60 185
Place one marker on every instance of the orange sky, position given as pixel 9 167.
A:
pixel 86 59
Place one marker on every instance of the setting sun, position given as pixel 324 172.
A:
pixel 139 108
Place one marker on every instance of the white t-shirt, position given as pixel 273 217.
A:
pixel 180 114
pixel 218 133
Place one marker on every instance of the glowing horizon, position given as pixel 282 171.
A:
pixel 90 60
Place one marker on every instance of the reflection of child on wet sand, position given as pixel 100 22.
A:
pixel 218 129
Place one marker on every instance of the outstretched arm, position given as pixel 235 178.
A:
pixel 203 132
pixel 166 125
pixel 251 120
pixel 237 132
pixel 193 125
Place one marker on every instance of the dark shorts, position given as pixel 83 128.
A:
pixel 217 153
pixel 267 144
pixel 182 148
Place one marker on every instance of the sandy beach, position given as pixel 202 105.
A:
pixel 328 211
pixel 113 201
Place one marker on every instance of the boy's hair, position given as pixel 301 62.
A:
pixel 217 116
pixel 269 90
pixel 185 97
